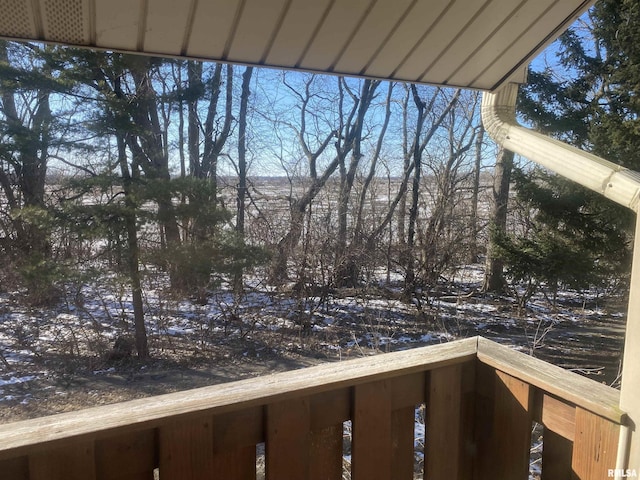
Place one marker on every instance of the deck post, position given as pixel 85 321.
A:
pixel 630 391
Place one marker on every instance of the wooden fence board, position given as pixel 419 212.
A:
pixel 325 460
pixel 243 428
pixel 556 456
pixel 238 464
pixel 186 449
pixel 127 457
pixel 330 408
pixel 15 468
pixel 555 414
pixel 74 461
pixel 408 390
pixel 595 446
pixel 449 419
pixel 402 443
pixel 288 439
pixel 372 432
pixel 504 421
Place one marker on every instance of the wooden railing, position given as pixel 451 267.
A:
pixel 479 401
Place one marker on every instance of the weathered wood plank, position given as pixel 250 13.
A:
pixel 503 426
pixel 233 430
pixel 288 439
pixel 132 456
pixel 408 390
pixel 330 408
pixel 71 462
pixel 595 446
pixel 402 443
pixel 15 468
pixel 576 389
pixel 450 422
pixel 186 449
pixel 18 438
pixel 556 456
pixel 235 436
pixel 238 464
pixel 372 432
pixel 556 415
pixel 325 461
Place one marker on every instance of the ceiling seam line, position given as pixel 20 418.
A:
pixel 142 26
pixel 314 35
pixel 272 39
pixel 234 29
pixel 524 32
pixel 37 19
pixel 569 19
pixel 92 22
pixel 353 34
pixel 186 38
pixel 421 39
pixel 384 43
pixel 455 38
pixel 486 40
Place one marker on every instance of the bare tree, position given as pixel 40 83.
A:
pixel 424 133
pixel 242 165
pixel 317 179
pixel 475 194
pixel 494 278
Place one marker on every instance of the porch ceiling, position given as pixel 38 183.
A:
pixel 467 43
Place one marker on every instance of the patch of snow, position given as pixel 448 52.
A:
pixel 17 380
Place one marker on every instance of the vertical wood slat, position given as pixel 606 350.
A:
pixel 237 464
pixel 595 446
pixel 402 443
pixel 15 468
pixel 186 449
pixel 450 422
pixel 556 456
pixel 288 439
pixel 504 420
pixel 325 462
pixel 235 436
pixel 132 456
pixel 384 427
pixel 70 462
pixel 372 436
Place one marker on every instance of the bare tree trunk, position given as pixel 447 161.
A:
pixel 297 208
pixel 346 272
pixel 473 220
pixel 133 249
pixel 242 167
pixel 133 257
pixel 494 278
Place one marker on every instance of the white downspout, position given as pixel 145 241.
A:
pixel 613 181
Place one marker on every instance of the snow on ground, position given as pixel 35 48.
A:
pixel 42 350
pixel 86 324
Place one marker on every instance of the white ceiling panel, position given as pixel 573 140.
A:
pixel 467 43
pixel 167 25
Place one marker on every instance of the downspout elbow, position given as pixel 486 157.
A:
pixel 613 181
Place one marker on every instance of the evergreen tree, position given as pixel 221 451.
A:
pixel 589 99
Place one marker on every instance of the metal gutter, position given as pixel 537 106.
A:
pixel 613 181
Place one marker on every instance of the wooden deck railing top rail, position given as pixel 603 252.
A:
pixel 595 397
pixel 479 400
pixel 217 399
